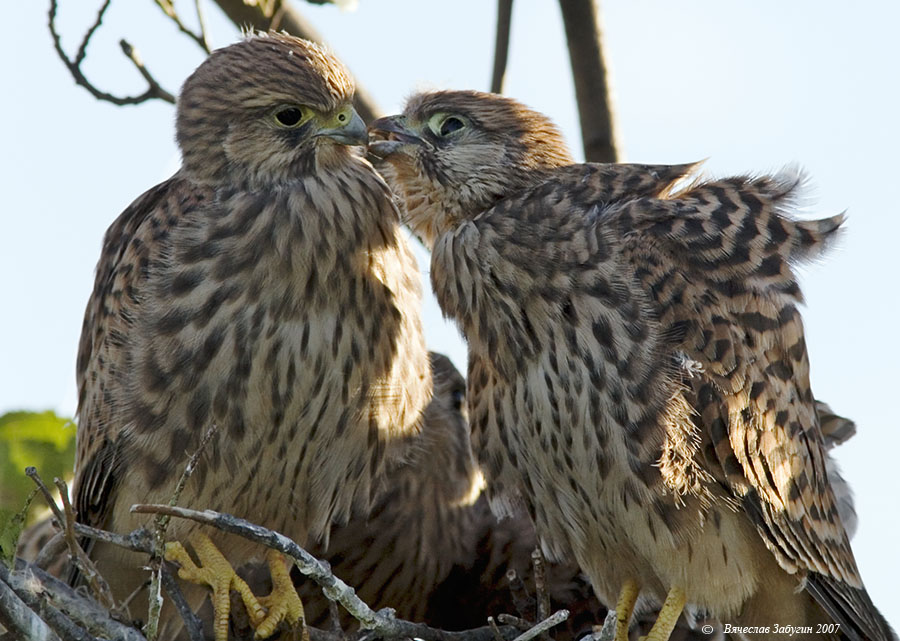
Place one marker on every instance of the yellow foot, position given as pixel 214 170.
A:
pixel 668 616
pixel 624 607
pixel 283 603
pixel 216 572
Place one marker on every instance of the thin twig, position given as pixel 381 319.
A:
pixel 168 8
pixel 84 611
pixel 382 622
pixel 38 602
pixel 523 603
pixel 140 540
pixel 154 90
pixel 606 632
pixel 520 624
pixel 52 549
pixel 82 49
pixel 18 618
pixel 495 629
pixel 501 44
pixel 192 623
pixel 132 54
pixel 551 621
pixel 201 20
pixel 260 16
pixel 160 524
pixel 542 596
pixel 66 518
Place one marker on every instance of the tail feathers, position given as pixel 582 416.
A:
pixel 852 608
pixel 737 232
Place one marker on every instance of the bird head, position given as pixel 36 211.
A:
pixel 266 110
pixel 452 154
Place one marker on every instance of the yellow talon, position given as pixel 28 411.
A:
pixel 668 616
pixel 283 603
pixel 624 607
pixel 216 572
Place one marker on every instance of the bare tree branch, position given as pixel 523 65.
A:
pixel 542 596
pixel 87 613
pixel 280 15
pixel 18 618
pixel 553 620
pixel 168 8
pixel 501 44
pixel 66 519
pixel 132 54
pixel 523 603
pixel 161 523
pixel 582 22
pixel 37 602
pixel 382 622
pixel 154 90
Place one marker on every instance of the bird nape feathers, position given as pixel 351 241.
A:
pixel 266 289
pixel 638 378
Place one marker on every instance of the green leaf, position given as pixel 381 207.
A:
pixel 41 439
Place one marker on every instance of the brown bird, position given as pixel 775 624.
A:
pixel 266 289
pixel 638 378
pixel 430 547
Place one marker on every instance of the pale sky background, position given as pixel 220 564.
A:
pixel 751 86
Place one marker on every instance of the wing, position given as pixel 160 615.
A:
pixel 717 259
pixel 130 247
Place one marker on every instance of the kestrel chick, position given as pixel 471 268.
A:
pixel 638 378
pixel 266 289
pixel 421 522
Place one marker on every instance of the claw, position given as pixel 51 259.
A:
pixel 283 603
pixel 215 571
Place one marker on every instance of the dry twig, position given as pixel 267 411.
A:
pixel 282 16
pixel 66 519
pixel 383 622
pixel 160 524
pixel 523 603
pixel 154 90
pixel 542 596
pixel 168 8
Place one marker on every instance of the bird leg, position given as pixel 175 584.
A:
pixel 215 571
pixel 624 607
pixel 283 603
pixel 668 616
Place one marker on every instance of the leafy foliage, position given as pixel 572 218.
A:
pixel 40 439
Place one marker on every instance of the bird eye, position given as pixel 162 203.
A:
pixel 289 116
pixel 443 125
pixel 450 125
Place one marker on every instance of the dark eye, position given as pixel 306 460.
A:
pixel 450 125
pixel 289 116
pixel 458 397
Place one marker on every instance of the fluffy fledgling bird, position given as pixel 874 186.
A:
pixel 266 289
pixel 638 378
pixel 430 547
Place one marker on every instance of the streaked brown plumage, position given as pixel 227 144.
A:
pixel 430 547
pixel 583 291
pixel 267 289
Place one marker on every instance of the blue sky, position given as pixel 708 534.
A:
pixel 750 86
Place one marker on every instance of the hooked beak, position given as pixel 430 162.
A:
pixel 351 133
pixel 388 135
